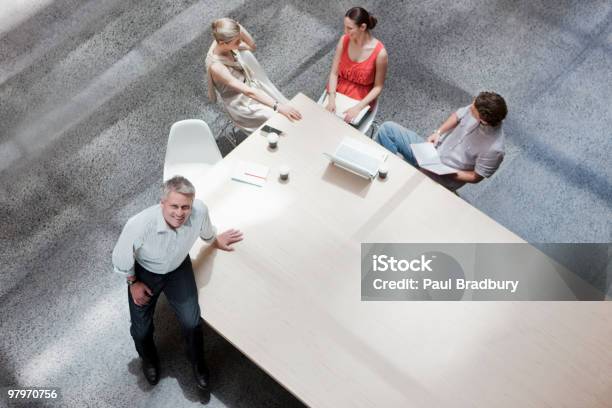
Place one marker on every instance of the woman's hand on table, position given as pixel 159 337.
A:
pixel 290 112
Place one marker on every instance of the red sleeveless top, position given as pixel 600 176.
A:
pixel 356 79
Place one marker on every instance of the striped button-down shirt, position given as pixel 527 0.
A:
pixel 149 240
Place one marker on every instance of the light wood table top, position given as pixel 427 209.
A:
pixel 289 295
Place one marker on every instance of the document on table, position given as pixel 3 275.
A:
pixel 250 173
pixel 344 103
pixel 428 158
pixel 357 157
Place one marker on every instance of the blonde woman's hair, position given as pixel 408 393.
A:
pixel 225 29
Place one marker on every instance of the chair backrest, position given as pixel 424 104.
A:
pixel 259 73
pixel 191 141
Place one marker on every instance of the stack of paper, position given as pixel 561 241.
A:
pixel 344 103
pixel 250 173
pixel 428 158
pixel 357 157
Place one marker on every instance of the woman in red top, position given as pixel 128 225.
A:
pixel 360 64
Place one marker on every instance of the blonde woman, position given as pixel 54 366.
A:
pixel 246 98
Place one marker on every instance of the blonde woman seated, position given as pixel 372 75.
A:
pixel 360 64
pixel 246 98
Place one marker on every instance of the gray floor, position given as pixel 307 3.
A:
pixel 88 91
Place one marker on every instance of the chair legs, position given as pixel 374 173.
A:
pixel 373 128
pixel 228 132
pixel 234 135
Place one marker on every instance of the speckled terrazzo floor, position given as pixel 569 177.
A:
pixel 89 89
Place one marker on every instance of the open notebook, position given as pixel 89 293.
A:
pixel 428 158
pixel 358 158
pixel 344 103
pixel 250 173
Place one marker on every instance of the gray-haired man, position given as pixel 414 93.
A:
pixel 153 252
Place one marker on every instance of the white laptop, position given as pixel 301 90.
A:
pixel 358 158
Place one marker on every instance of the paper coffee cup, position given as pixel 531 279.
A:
pixel 383 170
pixel 283 172
pixel 272 140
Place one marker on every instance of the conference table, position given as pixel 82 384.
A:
pixel 289 295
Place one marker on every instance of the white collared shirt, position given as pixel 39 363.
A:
pixel 147 239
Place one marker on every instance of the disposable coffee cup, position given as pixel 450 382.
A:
pixel 383 170
pixel 283 172
pixel 272 140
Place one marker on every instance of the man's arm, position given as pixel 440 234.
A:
pixel 123 262
pixel 466 176
pixel 226 239
pixel 208 232
pixel 450 123
pixel 123 253
pixel 486 165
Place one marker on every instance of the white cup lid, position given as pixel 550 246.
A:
pixel 284 169
pixel 272 137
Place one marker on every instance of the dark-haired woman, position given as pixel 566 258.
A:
pixel 360 64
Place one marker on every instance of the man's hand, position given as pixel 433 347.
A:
pixel 331 105
pixel 227 238
pixel 433 138
pixel 466 176
pixel 141 294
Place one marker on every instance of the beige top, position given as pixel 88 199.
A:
pixel 244 111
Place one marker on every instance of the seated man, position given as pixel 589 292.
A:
pixel 471 141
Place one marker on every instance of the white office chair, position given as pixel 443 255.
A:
pixel 191 150
pixel 366 124
pixel 259 73
pixel 231 131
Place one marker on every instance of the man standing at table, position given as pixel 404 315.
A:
pixel 153 252
pixel 471 141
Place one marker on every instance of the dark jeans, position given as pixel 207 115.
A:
pixel 180 289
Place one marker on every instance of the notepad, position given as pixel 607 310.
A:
pixel 344 103
pixel 250 173
pixel 358 158
pixel 428 158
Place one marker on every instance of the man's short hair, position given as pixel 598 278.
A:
pixel 178 184
pixel 491 107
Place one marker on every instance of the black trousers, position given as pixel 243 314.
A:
pixel 180 289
